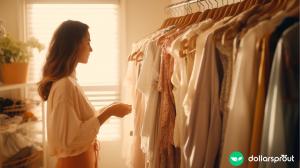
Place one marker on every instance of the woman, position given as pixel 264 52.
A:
pixel 72 124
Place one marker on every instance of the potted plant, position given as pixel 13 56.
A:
pixel 14 58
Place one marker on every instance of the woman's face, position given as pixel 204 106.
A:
pixel 84 49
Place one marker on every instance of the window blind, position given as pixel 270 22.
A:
pixel 100 77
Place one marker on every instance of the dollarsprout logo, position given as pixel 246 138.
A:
pixel 236 158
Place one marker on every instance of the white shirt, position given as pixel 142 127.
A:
pixel 72 124
pixel 147 84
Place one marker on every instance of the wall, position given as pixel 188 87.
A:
pixel 143 17
pixel 9 13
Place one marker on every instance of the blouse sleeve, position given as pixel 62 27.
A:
pixel 67 134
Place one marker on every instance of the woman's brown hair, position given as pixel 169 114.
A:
pixel 61 59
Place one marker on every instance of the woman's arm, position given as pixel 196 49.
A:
pixel 115 109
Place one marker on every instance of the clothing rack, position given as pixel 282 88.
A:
pixel 188 5
pixel 182 3
pixel 190 2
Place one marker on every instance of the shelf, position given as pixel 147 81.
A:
pixel 16 86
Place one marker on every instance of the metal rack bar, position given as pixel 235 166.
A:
pixel 182 3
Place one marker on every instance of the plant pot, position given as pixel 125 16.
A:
pixel 14 73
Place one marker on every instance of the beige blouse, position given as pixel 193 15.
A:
pixel 72 124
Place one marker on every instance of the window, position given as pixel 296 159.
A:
pixel 100 77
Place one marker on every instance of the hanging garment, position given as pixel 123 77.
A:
pixel 201 137
pixel 166 153
pixel 258 115
pixel 281 113
pixel 130 98
pixel 205 121
pixel 147 84
pixel 243 91
pixel 266 54
pixel 136 157
pixel 224 39
pixel 180 78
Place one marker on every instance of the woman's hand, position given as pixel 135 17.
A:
pixel 115 109
pixel 119 109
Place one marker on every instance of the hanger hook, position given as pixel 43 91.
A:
pixel 189 5
pixel 168 12
pixel 199 3
pixel 185 7
pixel 217 3
pixel 177 12
pixel 171 12
pixel 210 3
pixel 206 4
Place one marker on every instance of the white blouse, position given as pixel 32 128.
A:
pixel 72 123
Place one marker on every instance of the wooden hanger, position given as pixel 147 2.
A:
pixel 294 12
pixel 217 11
pixel 196 14
pixel 211 12
pixel 222 12
pixel 283 4
pixel 194 18
pixel 187 17
pixel 139 57
pixel 166 21
pixel 180 20
pixel 131 56
pixel 240 7
pixel 228 9
pixel 272 6
pixel 250 3
pixel 172 21
pixel 204 14
pixel 234 8
pixel 190 17
pixel 185 20
pixel 237 26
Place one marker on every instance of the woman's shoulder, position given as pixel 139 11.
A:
pixel 65 84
